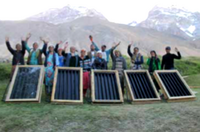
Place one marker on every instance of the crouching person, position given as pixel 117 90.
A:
pixel 85 63
pixel 119 64
pixel 51 61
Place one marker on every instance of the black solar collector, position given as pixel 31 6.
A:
pixel 26 84
pixel 140 86
pixel 106 87
pixel 67 88
pixel 173 86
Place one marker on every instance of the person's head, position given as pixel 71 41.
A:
pixel 72 49
pixel 60 51
pixel 83 52
pixel 35 46
pixel 135 50
pixel 168 49
pixel 51 48
pixel 99 54
pixel 103 48
pixel 92 47
pixel 117 53
pixel 18 47
pixel 153 53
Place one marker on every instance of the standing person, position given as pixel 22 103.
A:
pixel 51 61
pixel 168 59
pixel 136 58
pixel 153 62
pixel 105 53
pixel 18 54
pixel 71 59
pixel 119 64
pixel 99 62
pixel 35 54
pixel 93 51
pixel 85 63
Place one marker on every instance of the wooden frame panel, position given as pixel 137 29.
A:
pixel 94 100
pixel 57 101
pixel 39 87
pixel 130 92
pixel 165 91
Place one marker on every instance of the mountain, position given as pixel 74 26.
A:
pixel 76 33
pixel 133 23
pixel 174 20
pixel 65 14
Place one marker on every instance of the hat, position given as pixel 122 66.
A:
pixel 168 48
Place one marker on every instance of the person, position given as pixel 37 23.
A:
pixel 59 51
pixel 153 62
pixel 71 59
pixel 105 53
pixel 119 64
pixel 99 62
pixel 168 59
pixel 85 63
pixel 18 54
pixel 93 51
pixel 51 62
pixel 35 54
pixel 136 58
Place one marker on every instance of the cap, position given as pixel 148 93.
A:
pixel 168 48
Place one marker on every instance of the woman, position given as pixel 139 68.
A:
pixel 119 63
pixel 85 63
pixel 153 62
pixel 99 62
pixel 51 61
pixel 18 54
pixel 136 58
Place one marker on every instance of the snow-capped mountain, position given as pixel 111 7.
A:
pixel 174 20
pixel 66 14
pixel 133 23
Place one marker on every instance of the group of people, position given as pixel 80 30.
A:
pixel 96 58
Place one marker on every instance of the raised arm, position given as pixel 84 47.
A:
pixel 95 45
pixel 112 54
pixel 23 46
pixel 8 46
pixel 57 45
pixel 179 54
pixel 129 50
pixel 113 48
pixel 44 49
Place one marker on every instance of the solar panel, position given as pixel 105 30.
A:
pixel 173 86
pixel 67 85
pixel 106 87
pixel 26 84
pixel 140 86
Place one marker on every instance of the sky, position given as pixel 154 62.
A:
pixel 118 11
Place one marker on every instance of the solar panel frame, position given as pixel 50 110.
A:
pixel 68 101
pixel 37 99
pixel 166 92
pixel 93 88
pixel 131 93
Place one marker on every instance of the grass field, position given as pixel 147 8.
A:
pixel 159 117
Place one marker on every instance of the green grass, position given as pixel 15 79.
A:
pixel 45 117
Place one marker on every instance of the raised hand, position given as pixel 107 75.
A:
pixel 91 38
pixel 131 43
pixel 23 39
pixel 7 38
pixel 66 45
pixel 60 42
pixel 176 49
pixel 28 35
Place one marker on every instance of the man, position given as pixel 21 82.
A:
pixel 71 59
pixel 136 58
pixel 92 53
pixel 35 54
pixel 18 54
pixel 168 59
pixel 119 64
pixel 105 53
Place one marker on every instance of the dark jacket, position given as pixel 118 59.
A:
pixel 168 61
pixel 99 64
pixel 18 56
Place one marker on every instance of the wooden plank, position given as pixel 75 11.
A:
pixel 39 86
pixel 129 88
pixel 62 101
